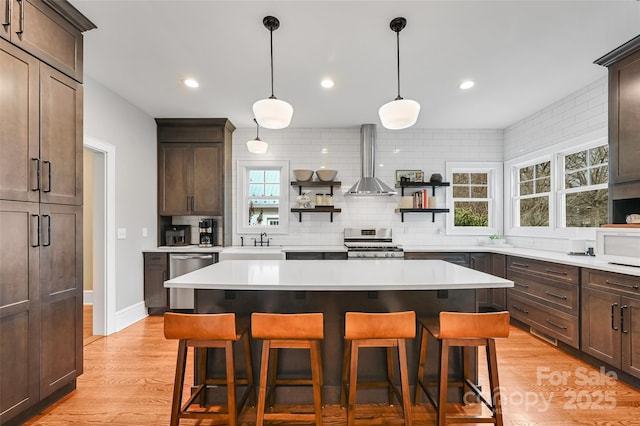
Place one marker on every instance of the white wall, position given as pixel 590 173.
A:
pixel 577 115
pixel 420 149
pixel 111 119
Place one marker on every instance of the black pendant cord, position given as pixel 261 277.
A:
pixel 257 129
pixel 271 38
pixel 398 50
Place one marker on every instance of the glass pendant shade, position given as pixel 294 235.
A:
pixel 273 113
pixel 257 146
pixel 399 114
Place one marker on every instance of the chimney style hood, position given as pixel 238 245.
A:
pixel 368 183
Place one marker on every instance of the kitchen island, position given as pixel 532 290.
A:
pixel 335 287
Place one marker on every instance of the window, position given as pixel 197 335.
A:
pixel 534 193
pixel 476 198
pixel 584 194
pixel 560 191
pixel 262 196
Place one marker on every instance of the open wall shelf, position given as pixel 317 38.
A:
pixel 315 184
pixel 324 209
pixel 432 211
pixel 432 185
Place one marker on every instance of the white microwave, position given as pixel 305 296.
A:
pixel 620 245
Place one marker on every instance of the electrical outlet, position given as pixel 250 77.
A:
pixel 122 233
pixel 145 232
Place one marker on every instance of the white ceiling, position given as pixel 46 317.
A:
pixel 523 55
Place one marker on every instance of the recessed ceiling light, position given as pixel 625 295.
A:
pixel 468 84
pixel 190 82
pixel 327 83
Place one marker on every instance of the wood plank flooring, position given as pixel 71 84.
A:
pixel 128 380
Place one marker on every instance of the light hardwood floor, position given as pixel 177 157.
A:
pixel 128 380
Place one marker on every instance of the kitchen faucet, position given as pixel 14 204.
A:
pixel 262 242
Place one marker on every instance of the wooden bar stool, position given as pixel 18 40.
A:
pixel 202 331
pixel 288 331
pixel 377 330
pixel 465 330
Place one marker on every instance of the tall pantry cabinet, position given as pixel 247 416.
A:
pixel 40 204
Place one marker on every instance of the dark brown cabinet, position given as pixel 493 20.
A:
pixel 611 319
pixel 37 27
pixel 498 296
pixel 194 170
pixel 40 204
pixel 316 255
pixel 545 297
pixel 624 129
pixel 191 179
pixel 156 272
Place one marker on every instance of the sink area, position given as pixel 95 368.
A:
pixel 252 252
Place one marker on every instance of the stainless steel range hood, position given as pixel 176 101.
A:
pixel 368 183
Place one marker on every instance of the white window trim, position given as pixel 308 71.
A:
pixel 243 168
pixel 495 181
pixel 591 139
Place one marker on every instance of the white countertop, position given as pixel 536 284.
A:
pixel 194 248
pixel 340 275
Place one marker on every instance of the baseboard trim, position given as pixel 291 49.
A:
pixel 87 297
pixel 130 315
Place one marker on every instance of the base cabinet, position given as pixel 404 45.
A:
pixel 316 255
pixel 611 319
pixel 545 296
pixel 156 272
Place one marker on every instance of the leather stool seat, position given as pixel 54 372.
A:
pixel 377 330
pixel 288 331
pixel 466 330
pixel 202 332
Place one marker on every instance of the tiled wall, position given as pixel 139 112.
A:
pixel 581 112
pixel 421 149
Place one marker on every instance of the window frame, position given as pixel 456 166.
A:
pixel 243 169
pixel 555 153
pixel 494 172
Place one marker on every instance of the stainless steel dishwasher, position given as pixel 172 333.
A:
pixel 180 264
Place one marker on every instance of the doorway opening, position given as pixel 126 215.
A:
pixel 100 233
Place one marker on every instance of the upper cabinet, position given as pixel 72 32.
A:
pixel 194 156
pixel 624 128
pixel 38 26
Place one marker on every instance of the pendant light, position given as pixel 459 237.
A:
pixel 399 113
pixel 256 146
pixel 272 113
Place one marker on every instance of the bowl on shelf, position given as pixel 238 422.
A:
pixel 302 175
pixel 326 175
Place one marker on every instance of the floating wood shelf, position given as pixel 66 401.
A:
pixel 432 185
pixel 315 184
pixel 324 209
pixel 432 211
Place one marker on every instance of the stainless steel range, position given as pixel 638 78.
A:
pixel 371 243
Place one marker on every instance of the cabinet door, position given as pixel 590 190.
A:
pixel 19 307
pixel 624 120
pixel 60 138
pixel 155 274
pixel 5 17
pixel 47 35
pixel 207 179
pixel 499 269
pixel 174 172
pixel 61 296
pixel 482 262
pixel 601 325
pixel 630 328
pixel 19 138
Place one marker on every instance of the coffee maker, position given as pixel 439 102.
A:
pixel 208 228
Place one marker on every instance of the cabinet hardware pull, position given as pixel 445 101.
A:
pixel 521 285
pixel 37 244
pixel 21 29
pixel 522 265
pixel 37 160
pixel 48 163
pixel 613 308
pixel 622 308
pixel 193 203
pixel 563 327
pixel 188 199
pixel 559 296
pixel 635 287
pixel 553 271
pixel 48 230
pixel 518 308
pixel 7 13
